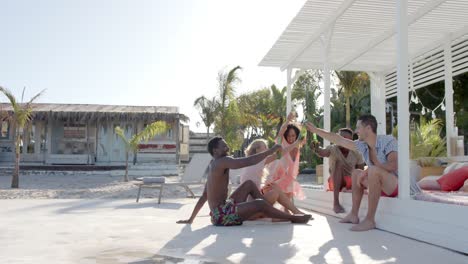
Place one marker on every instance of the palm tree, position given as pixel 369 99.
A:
pixel 132 144
pixel 278 104
pixel 350 82
pixel 306 90
pixel 21 115
pixel 207 110
pixel 226 90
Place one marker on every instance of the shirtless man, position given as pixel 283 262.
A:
pixel 380 152
pixel 233 211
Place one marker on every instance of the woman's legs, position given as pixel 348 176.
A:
pixel 275 195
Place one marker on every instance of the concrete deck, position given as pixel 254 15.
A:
pixel 122 231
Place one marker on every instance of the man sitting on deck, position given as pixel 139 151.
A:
pixel 342 163
pixel 233 211
pixel 380 153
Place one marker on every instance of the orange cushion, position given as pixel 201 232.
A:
pixel 453 180
pixel 347 180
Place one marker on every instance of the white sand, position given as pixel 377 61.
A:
pixel 82 185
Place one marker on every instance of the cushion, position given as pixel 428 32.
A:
pixel 453 180
pixel 454 166
pixel 429 183
pixel 153 180
pixel 458 198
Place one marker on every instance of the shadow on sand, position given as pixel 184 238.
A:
pixel 244 244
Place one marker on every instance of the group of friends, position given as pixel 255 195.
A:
pixel 267 179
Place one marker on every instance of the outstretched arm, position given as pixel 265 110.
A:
pixel 299 142
pixel 237 163
pixel 333 137
pixel 321 152
pixel 197 208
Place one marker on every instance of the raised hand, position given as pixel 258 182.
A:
pixel 310 127
pixel 291 116
pixel 277 147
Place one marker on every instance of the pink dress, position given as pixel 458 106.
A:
pixel 255 173
pixel 284 172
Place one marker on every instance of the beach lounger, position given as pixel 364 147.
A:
pixel 193 174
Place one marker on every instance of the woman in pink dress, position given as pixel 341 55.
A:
pixel 258 172
pixel 285 170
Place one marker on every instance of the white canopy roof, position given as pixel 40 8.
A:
pixel 363 33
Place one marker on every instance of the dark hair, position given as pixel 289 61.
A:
pixel 369 120
pixel 213 143
pixel 346 130
pixel 291 126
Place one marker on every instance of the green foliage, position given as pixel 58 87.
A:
pixel 132 143
pixel 350 84
pixel 207 110
pixel 306 91
pixel 226 94
pixel 234 136
pixel 425 140
pixel 21 115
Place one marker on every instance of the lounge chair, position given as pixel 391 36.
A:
pixel 193 174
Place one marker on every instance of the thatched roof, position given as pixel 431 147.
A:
pixel 90 112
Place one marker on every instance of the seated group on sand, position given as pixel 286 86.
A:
pixel 267 180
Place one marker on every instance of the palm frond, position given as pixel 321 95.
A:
pixel 119 131
pixel 149 132
pixel 10 98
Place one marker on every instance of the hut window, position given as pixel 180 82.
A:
pixel 74 131
pixel 4 130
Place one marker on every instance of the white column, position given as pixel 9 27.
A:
pixel 326 99
pixel 288 91
pixel 402 92
pixel 377 91
pixel 449 118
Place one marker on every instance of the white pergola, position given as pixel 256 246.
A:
pixel 403 45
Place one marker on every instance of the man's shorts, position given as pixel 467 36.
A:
pixel 226 214
pixel 347 180
pixel 393 194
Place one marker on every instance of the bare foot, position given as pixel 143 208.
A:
pixel 297 211
pixel 364 226
pixel 301 219
pixel 350 218
pixel 337 208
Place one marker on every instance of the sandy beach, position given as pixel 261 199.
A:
pixel 81 185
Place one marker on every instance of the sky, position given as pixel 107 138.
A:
pixel 122 52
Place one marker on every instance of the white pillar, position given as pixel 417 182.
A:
pixel 449 118
pixel 403 107
pixel 377 92
pixel 288 91
pixel 326 100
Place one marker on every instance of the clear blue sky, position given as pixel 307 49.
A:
pixel 137 52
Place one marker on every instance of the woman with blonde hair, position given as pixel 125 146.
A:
pixel 259 173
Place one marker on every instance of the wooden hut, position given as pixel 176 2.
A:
pixel 84 134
